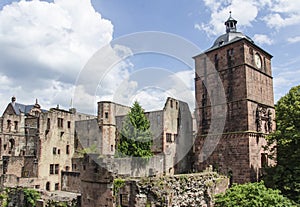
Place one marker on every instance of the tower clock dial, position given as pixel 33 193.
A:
pixel 257 60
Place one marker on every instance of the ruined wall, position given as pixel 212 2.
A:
pixel 12 141
pixel 70 181
pixel 96 184
pixel 89 134
pixel 15 197
pixel 56 146
pixel 183 190
pixel 13 165
pixel 185 141
pixel 157 129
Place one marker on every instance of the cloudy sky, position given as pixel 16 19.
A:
pixel 75 52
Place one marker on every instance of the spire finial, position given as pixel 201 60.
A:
pixel 230 13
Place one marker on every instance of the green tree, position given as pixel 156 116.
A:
pixel 252 195
pixel 285 176
pixel 135 137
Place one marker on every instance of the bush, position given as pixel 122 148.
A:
pixel 252 195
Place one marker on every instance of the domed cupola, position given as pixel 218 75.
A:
pixel 230 24
pixel 231 34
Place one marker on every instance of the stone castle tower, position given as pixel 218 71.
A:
pixel 235 106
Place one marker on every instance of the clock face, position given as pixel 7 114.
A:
pixel 257 60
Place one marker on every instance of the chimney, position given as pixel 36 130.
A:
pixel 13 100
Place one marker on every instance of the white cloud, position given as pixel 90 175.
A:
pixel 277 20
pixel 276 14
pixel 283 13
pixel 294 39
pixel 45 45
pixel 262 39
pixel 151 98
pixel 244 11
pixel 286 6
pixel 179 85
pixel 183 87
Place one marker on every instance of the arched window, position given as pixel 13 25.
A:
pixel 48 186
pixel 12 143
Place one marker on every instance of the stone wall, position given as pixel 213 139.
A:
pixel 89 134
pixel 231 131
pixel 96 183
pixel 70 181
pixel 107 111
pixel 185 190
pixel 15 197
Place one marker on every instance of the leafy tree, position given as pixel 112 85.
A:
pixel 135 138
pixel 285 176
pixel 252 195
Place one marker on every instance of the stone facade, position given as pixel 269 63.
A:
pixel 100 187
pixel 37 145
pixel 242 99
pixel 172 143
pixel 171 128
pixel 185 190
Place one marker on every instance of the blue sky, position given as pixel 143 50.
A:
pixel 45 46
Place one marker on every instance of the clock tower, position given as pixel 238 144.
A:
pixel 234 105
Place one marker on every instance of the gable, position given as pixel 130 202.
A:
pixel 9 110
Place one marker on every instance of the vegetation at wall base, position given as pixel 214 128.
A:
pixel 30 197
pixel 117 184
pixel 285 141
pixel 135 137
pixel 252 195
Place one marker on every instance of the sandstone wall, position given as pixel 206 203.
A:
pixel 185 190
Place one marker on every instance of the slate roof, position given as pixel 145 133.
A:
pixel 22 108
pixel 229 38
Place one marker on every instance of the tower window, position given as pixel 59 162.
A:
pixel 74 167
pixel 48 186
pixel 60 122
pixel 56 186
pixel 264 159
pixel 8 124
pixel 48 123
pixel 56 169
pixel 106 115
pixel 169 137
pixel 68 149
pixel 12 143
pixel 16 125
pixel 69 124
pixel 51 169
pixel 251 51
pixel 230 52
pixel 216 57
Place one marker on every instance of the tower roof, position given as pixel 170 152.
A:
pixel 231 34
